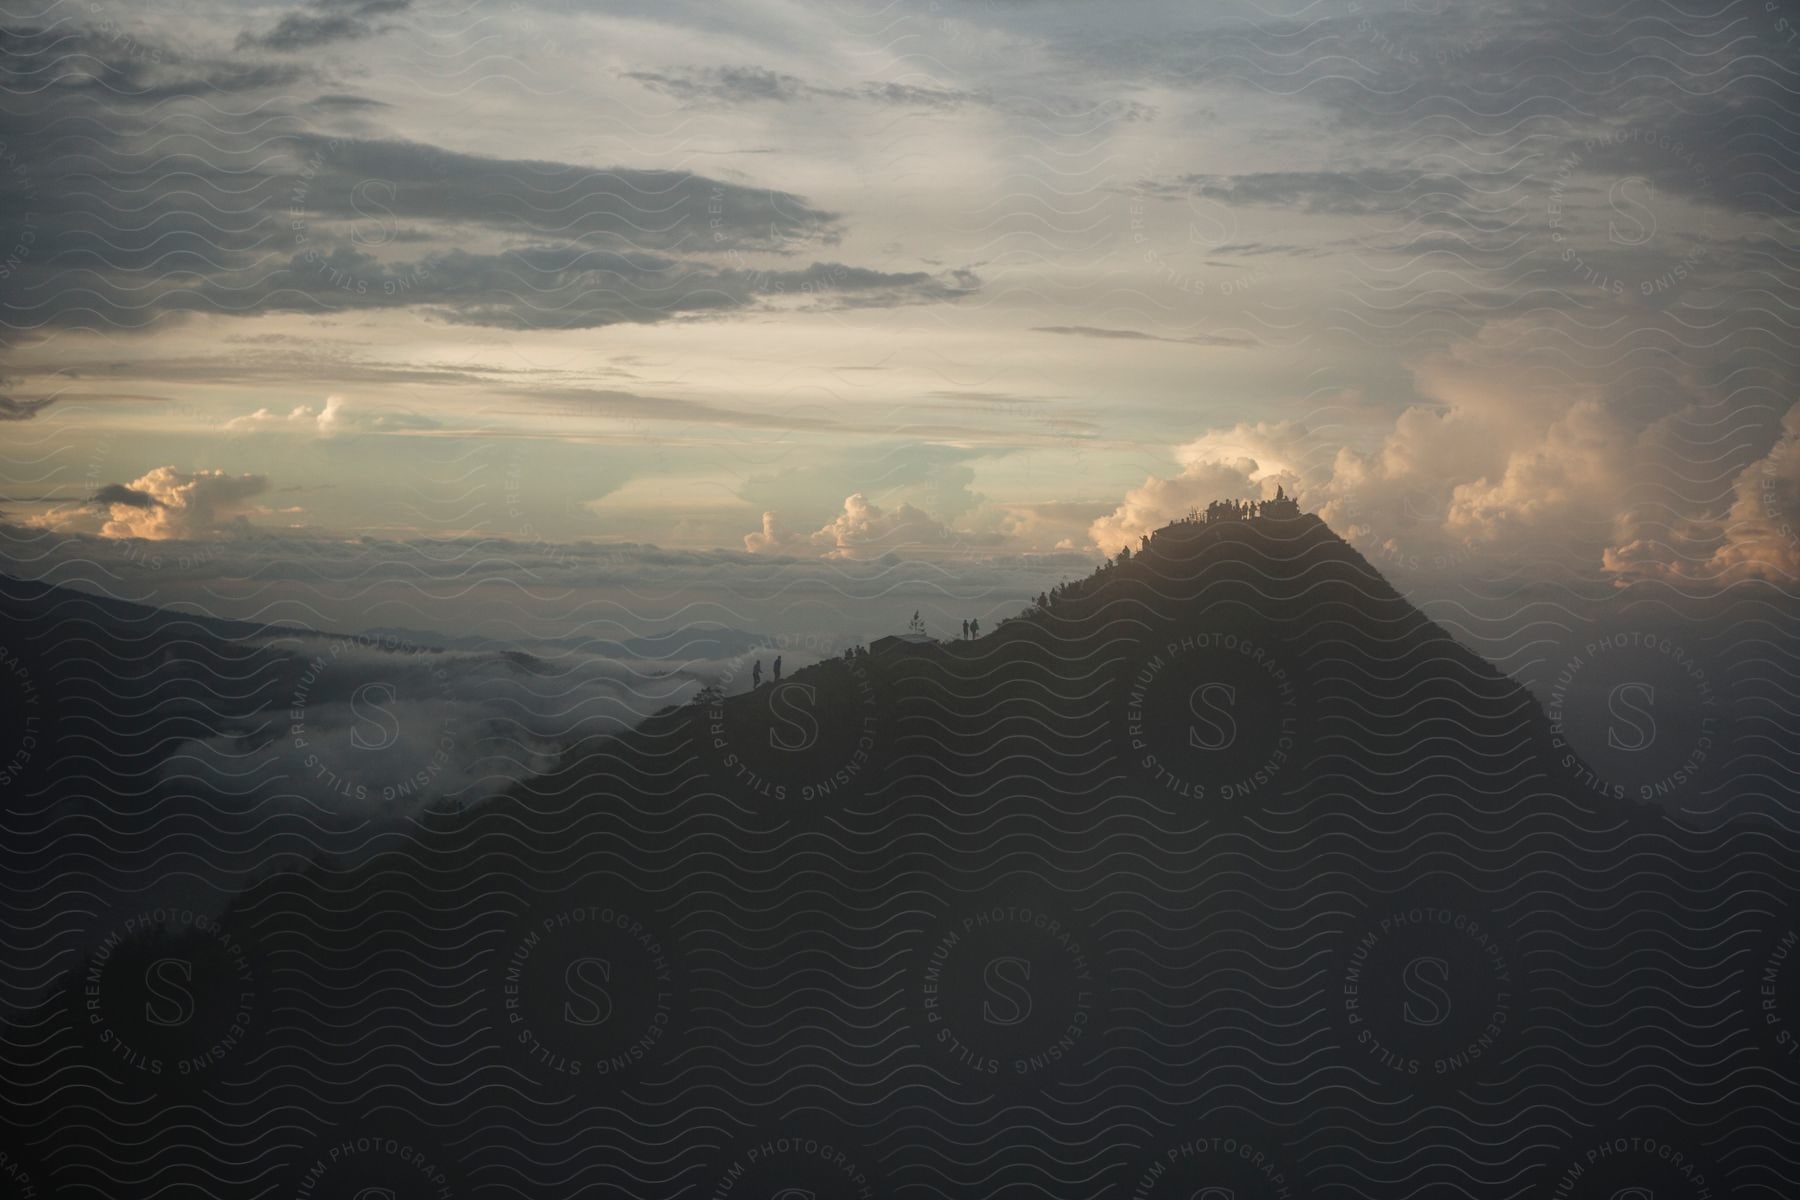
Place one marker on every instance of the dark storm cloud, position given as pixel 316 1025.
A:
pixel 118 493
pixel 1361 191
pixel 1367 65
pixel 559 287
pixel 1740 154
pixel 1573 153
pixel 1514 70
pixel 731 85
pixel 1095 331
pixel 345 101
pixel 326 21
pixel 70 63
pixel 734 86
pixel 124 220
pixel 375 182
pixel 18 408
pixel 1256 249
pixel 748 85
pixel 129 162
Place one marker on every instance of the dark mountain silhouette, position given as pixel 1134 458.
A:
pixel 1224 872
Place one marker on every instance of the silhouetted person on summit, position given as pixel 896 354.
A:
pixel 965 631
pixel 778 668
pixel 756 675
pixel 975 627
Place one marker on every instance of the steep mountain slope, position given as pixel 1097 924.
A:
pixel 1223 873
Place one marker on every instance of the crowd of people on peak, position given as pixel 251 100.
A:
pixel 1282 505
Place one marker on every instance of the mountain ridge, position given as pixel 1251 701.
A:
pixel 1227 844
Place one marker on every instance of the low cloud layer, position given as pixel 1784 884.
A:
pixel 375 729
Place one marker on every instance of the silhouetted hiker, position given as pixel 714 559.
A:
pixel 778 668
pixel 965 631
pixel 975 628
pixel 756 675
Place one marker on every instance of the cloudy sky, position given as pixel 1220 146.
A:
pixel 1507 286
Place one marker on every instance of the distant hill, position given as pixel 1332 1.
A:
pixel 1224 872
pixel 113 685
pixel 677 646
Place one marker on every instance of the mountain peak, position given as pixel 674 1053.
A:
pixel 1248 663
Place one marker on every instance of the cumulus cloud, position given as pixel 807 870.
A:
pixel 1488 462
pixel 1050 525
pixel 1507 466
pixel 1248 460
pixel 373 727
pixel 1572 467
pixel 866 530
pixel 772 538
pixel 1438 483
pixel 166 504
pixel 1498 463
pixel 338 415
pixel 1759 537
